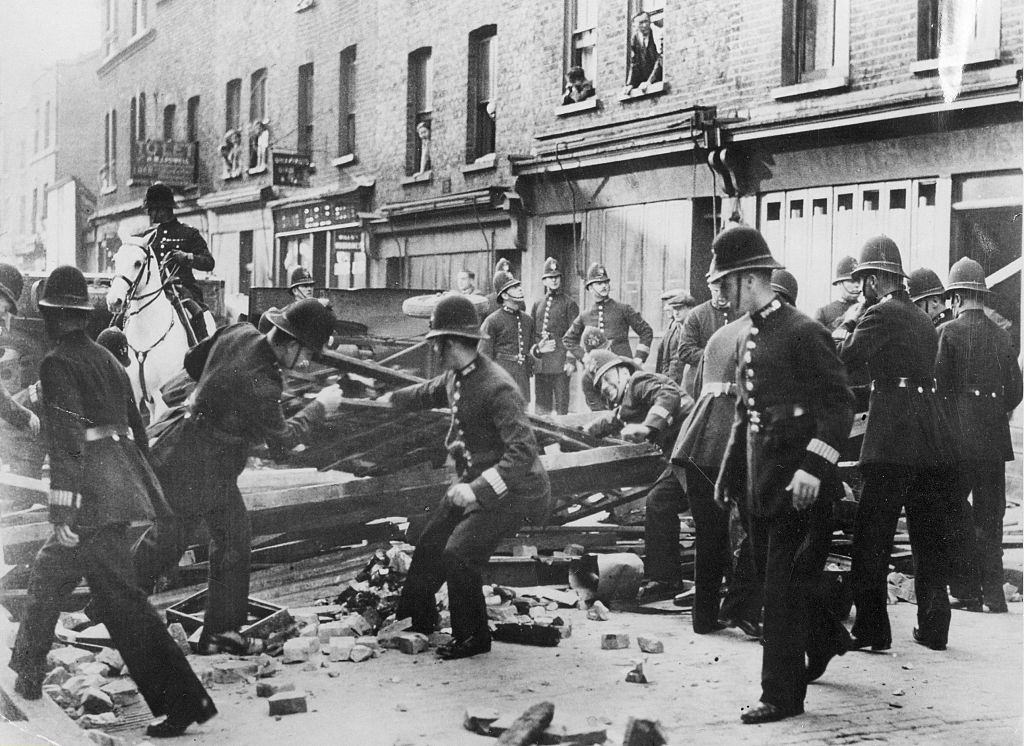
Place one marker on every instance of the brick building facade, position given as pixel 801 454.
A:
pixel 820 121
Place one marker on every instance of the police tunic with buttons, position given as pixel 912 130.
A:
pixel 703 321
pixel 652 400
pixel 175 236
pixel 508 337
pixel 793 410
pixel 553 316
pixel 615 320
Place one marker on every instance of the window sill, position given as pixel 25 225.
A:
pixel 656 89
pixel 134 44
pixel 108 189
pixel 423 177
pixel 828 84
pixel 257 170
pixel 484 163
pixel 344 160
pixel 974 57
pixel 588 104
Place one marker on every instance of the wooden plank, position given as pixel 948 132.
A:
pixel 368 368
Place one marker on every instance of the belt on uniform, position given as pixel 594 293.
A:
pixel 983 391
pixel 758 418
pixel 719 388
pixel 920 385
pixel 102 432
pixel 509 357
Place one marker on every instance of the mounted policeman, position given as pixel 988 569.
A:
pixel 180 249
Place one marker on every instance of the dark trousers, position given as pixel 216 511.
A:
pixel 661 529
pixel 454 548
pixel 519 374
pixel 713 559
pixel 977 560
pixel 789 552
pixel 157 665
pixel 929 498
pixel 227 522
pixel 552 393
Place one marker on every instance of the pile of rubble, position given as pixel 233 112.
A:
pixel 92 688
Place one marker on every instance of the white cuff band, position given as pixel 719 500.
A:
pixel 823 449
pixel 659 411
pixel 64 498
pixel 494 479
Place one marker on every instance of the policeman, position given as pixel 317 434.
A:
pixel 507 334
pixel 679 306
pixel 831 315
pixel 592 338
pixel 114 340
pixel 926 292
pixel 552 317
pixel 610 317
pixel 977 370
pixel 99 482
pixel 199 451
pixel 705 320
pixel 11 285
pixel 907 451
pixel 300 283
pixel 651 407
pixel 493 304
pixel 500 479
pixel 793 414
pixel 180 249
pixel 699 451
pixel 784 285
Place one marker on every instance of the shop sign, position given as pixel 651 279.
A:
pixel 169 161
pixel 323 214
pixel 348 241
pixel 290 169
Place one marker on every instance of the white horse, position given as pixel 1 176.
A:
pixel 157 337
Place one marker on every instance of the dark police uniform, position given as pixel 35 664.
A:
pixel 495 453
pixel 699 449
pixel 793 412
pixel 669 363
pixel 905 460
pixel 552 317
pixel 175 236
pixel 99 481
pixel 508 337
pixel 703 321
pixel 198 454
pixel 831 316
pixel 976 371
pixel 614 320
pixel 655 401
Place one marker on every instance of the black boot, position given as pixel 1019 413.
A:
pixel 175 724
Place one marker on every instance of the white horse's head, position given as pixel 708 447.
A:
pixel 131 265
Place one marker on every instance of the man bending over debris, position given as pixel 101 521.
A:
pixel 646 406
pixel 501 481
pixel 199 451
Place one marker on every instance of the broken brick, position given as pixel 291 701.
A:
pixel 354 625
pixel 339 648
pixel 644 733
pixel 412 643
pixel 95 701
pixel 298 649
pixel 57 676
pixel 598 612
pixel 121 691
pixel 100 720
pixel 287 703
pixel 614 641
pixel 234 671
pixel 266 666
pixel 388 634
pixel 650 645
pixel 270 688
pixel 369 641
pixel 68 657
pixel 112 659
pixel 360 653
pixel 479 721
pixel 636 674
pixel 331 629
pixel 95 668
pixel 575 733
pixel 437 639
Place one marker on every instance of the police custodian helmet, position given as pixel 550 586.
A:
pixel 158 195
pixel 597 273
pixel 966 274
pixel 11 283
pixel 844 269
pixel 879 254
pixel 599 362
pixel 299 276
pixel 551 268
pixel 66 288
pixel 785 284
pixel 738 249
pixel 924 283
pixel 308 320
pixel 454 316
pixel 503 281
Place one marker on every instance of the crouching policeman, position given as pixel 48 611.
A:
pixel 99 481
pixel 501 481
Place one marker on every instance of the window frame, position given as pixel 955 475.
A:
pixel 419 108
pixel 233 105
pixel 481 130
pixel 170 121
pixel 258 95
pixel 192 119
pixel 579 37
pixel 304 110
pixel 141 118
pixel 139 17
pixel 347 102
pixel 985 44
pixel 837 76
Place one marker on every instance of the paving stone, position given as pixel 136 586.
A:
pixel 614 641
pixel 339 648
pixel 576 732
pixel 287 703
pixel 354 625
pixel 270 688
pixel 111 658
pixel 412 643
pixel 650 645
pixel 121 691
pixel 360 653
pixel 56 676
pixel 77 685
pixel 369 641
pixel 332 629
pixel 298 650
pixel 389 634
pixel 67 657
pixel 95 701
pixel 234 671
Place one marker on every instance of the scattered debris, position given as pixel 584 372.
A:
pixel 360 653
pixel 543 635
pixel 644 733
pixel 529 726
pixel 270 688
pixel 1011 593
pixel 636 674
pixel 68 657
pixel 95 701
pixel 234 671
pixel 411 643
pixel 650 645
pixel 598 612
pixel 287 703
pixel 614 641
pixel 479 721
pixel 101 720
pixel 122 692
pixel 298 649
